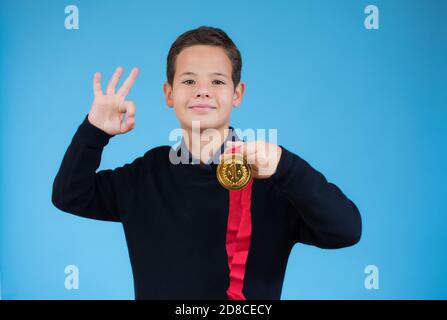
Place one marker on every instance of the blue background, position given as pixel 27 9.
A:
pixel 367 108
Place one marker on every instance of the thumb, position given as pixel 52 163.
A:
pixel 129 124
pixel 128 107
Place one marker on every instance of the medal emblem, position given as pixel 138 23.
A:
pixel 233 172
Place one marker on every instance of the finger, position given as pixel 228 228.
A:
pixel 122 106
pixel 97 91
pixel 251 158
pixel 258 159
pixel 114 80
pixel 127 85
pixel 130 108
pixel 128 125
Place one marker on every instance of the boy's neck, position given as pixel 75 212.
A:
pixel 203 144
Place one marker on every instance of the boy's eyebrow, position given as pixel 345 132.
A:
pixel 219 74
pixel 194 74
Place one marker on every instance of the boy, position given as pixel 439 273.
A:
pixel 189 237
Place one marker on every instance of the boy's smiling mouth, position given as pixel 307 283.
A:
pixel 202 108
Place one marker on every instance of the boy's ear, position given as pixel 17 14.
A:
pixel 238 94
pixel 167 90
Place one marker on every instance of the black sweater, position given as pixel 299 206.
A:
pixel 175 217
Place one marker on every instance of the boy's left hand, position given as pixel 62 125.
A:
pixel 262 156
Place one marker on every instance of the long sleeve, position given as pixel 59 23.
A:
pixel 326 217
pixel 79 189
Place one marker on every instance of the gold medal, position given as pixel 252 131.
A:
pixel 233 172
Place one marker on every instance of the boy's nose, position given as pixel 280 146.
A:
pixel 202 95
pixel 202 92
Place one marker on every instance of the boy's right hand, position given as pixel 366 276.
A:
pixel 107 111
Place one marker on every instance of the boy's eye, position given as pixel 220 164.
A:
pixel 188 82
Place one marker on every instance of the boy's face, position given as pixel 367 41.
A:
pixel 202 88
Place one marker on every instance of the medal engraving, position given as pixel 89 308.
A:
pixel 233 172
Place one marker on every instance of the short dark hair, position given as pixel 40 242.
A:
pixel 205 36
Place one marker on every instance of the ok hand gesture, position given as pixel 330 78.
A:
pixel 107 110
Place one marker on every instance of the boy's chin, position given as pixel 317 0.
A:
pixel 204 123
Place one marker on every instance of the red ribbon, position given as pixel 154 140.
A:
pixel 238 237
